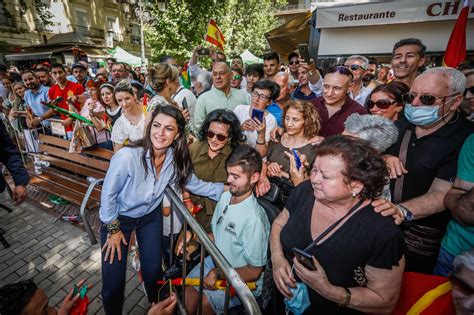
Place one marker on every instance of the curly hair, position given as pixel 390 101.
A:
pixel 226 117
pixel 159 73
pixel 362 163
pixel 312 124
pixel 15 297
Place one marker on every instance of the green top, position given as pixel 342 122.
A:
pixel 460 238
pixel 209 170
pixel 216 99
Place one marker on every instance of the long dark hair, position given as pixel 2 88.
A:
pixel 182 160
pixel 226 117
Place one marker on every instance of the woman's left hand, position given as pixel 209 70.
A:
pixel 317 279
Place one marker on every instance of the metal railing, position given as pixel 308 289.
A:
pixel 246 297
pixel 88 31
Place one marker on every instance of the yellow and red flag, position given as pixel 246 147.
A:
pixel 186 77
pixel 455 53
pixel 214 35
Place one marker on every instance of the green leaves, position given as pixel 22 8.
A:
pixel 182 25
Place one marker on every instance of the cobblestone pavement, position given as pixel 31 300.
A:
pixel 56 256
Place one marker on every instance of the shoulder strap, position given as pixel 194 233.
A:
pixel 329 229
pixel 402 155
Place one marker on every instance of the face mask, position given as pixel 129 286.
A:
pixel 421 115
pixel 299 301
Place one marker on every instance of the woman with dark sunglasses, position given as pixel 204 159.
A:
pixel 219 134
pixel 386 100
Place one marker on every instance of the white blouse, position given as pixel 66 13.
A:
pixel 124 130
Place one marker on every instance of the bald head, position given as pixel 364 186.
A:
pixel 283 81
pixel 221 76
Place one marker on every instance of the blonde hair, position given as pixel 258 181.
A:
pixel 159 73
pixel 312 124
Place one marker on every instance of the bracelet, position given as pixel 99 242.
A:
pixel 113 227
pixel 260 143
pixel 347 298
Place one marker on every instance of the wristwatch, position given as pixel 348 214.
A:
pixel 407 214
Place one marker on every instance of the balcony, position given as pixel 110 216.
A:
pixel 88 31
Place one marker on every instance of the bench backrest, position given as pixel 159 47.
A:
pixel 92 162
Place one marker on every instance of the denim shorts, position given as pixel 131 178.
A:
pixel 216 297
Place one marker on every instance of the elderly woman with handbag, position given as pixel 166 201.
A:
pixel 346 258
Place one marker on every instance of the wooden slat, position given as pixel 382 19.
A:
pixel 61 192
pixel 100 152
pixel 91 162
pixel 75 185
pixel 94 151
pixel 73 167
pixel 54 141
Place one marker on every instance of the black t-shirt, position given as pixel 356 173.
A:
pixel 366 238
pixel 430 157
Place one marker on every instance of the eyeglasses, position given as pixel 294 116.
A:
pixel 355 67
pixel 260 96
pixel 236 77
pixel 470 90
pixel 221 217
pixel 294 62
pixel 210 135
pixel 382 104
pixel 342 70
pixel 425 99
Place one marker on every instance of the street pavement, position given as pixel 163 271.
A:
pixel 55 256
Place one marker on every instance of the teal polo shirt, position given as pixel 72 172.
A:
pixel 242 233
pixel 460 238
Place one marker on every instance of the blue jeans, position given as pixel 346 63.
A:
pixel 444 265
pixel 149 230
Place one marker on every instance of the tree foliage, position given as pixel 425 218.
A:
pixel 181 26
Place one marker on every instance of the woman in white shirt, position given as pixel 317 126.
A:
pixel 131 124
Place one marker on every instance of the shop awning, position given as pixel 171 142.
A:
pixel 36 53
pixel 285 38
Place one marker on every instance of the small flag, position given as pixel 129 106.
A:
pixel 186 77
pixel 214 35
pixel 455 53
pixel 145 103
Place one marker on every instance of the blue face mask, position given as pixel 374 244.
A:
pixel 421 115
pixel 299 302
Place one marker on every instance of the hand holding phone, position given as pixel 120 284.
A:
pixel 297 159
pixel 256 113
pixel 304 258
pixel 204 52
pixel 185 103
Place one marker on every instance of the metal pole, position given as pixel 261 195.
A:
pixel 142 40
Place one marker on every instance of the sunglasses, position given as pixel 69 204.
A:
pixel 355 67
pixel 210 135
pixel 260 96
pixel 294 62
pixel 382 104
pixel 342 70
pixel 470 90
pixel 425 99
pixel 236 77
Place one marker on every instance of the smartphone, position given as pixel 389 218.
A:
pixel 185 103
pixel 297 159
pixel 304 258
pixel 165 291
pixel 204 52
pixel 304 52
pixel 256 113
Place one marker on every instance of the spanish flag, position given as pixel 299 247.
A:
pixel 214 35
pixel 185 76
pixel 456 51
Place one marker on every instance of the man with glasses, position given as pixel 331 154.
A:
pixel 221 95
pixel 424 162
pixel 335 105
pixel 408 56
pixel 240 230
pixel 358 65
pixel 293 63
pixel 237 77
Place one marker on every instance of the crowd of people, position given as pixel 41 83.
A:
pixel 373 165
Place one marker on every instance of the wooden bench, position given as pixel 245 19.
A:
pixel 74 177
